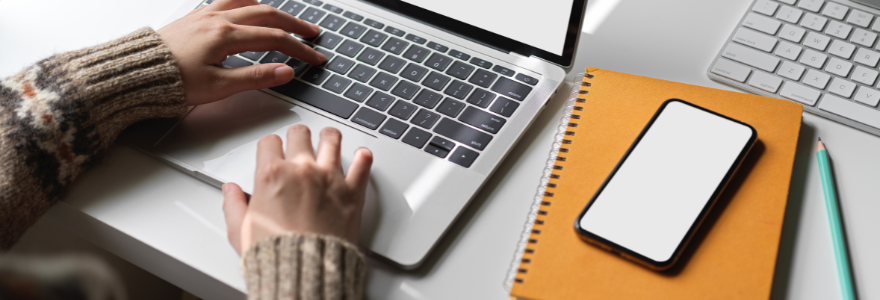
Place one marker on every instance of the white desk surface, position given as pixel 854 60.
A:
pixel 172 225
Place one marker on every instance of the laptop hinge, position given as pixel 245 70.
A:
pixel 518 55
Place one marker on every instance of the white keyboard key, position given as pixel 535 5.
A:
pixel 761 23
pixel 841 49
pixel 792 33
pixel 791 70
pixel 765 81
pixel 859 18
pixel 867 96
pixel 835 11
pixel 817 41
pixel 814 22
pixel 754 39
pixel 876 26
pixel 789 14
pixel 731 70
pixel 788 50
pixel 765 7
pixel 838 67
pixel 850 110
pixel 813 58
pixel 750 57
pixel 789 2
pixel 811 5
pixel 838 30
pixel 863 37
pixel 842 87
pixel 816 79
pixel 799 93
pixel 867 57
pixel 864 75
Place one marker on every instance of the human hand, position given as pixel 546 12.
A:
pixel 201 40
pixel 299 191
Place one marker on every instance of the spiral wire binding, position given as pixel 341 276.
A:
pixel 576 96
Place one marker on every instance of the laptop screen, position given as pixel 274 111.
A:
pixel 542 24
pixel 547 29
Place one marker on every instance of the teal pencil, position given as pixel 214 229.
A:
pixel 843 272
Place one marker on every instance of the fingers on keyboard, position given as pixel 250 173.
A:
pixel 444 101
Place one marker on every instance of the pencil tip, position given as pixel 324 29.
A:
pixel 820 139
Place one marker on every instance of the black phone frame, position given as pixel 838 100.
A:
pixel 641 259
pixel 491 39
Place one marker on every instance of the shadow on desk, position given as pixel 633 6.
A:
pixel 785 255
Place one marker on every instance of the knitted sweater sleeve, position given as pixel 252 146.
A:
pixel 303 266
pixel 59 115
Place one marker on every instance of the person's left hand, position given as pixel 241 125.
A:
pixel 201 41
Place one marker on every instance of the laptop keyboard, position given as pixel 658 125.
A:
pixel 821 54
pixel 422 93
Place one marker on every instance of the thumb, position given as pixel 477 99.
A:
pixel 255 77
pixel 234 208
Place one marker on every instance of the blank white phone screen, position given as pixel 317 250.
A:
pixel 659 191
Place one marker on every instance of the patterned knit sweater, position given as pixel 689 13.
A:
pixel 59 115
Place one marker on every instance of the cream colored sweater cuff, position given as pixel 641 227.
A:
pixel 303 266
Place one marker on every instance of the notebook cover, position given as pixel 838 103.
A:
pixel 733 258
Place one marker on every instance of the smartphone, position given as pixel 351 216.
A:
pixel 663 188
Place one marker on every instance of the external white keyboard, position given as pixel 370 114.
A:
pixel 821 54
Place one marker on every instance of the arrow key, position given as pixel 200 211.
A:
pixel 463 157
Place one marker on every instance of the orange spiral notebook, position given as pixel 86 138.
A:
pixel 734 254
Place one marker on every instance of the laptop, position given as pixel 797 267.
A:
pixel 440 91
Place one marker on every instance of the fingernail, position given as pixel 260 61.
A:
pixel 316 28
pixel 320 56
pixel 224 188
pixel 283 74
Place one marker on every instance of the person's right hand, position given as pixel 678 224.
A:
pixel 299 191
pixel 201 40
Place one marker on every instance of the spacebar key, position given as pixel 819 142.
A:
pixel 317 97
pixel 463 134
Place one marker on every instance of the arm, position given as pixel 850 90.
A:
pixel 57 115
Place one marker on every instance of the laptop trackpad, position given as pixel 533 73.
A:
pixel 220 139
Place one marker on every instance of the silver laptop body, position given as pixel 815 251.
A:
pixel 414 195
